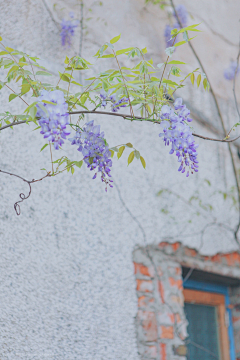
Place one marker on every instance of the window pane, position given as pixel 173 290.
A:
pixel 203 332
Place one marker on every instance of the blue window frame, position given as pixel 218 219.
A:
pixel 219 289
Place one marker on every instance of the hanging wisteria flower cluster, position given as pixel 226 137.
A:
pixel 52 111
pixel 229 73
pixel 68 29
pixel 115 104
pixel 96 153
pixel 183 17
pixel 177 132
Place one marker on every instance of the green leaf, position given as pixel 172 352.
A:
pixel 9 49
pixel 64 77
pixel 144 51
pixel 120 151
pixel 107 56
pixel 115 39
pixel 205 82
pixel 137 154
pixel 189 28
pixel 176 62
pixel 12 96
pixel 43 147
pixel 0 38
pixel 3 53
pixel 13 68
pixel 192 77
pixel 170 50
pixel 112 153
pixel 72 170
pixel 129 145
pixel 78 163
pixel 174 31
pixel 25 88
pixel 185 36
pixel 124 51
pixel 43 73
pixel 143 162
pixel 33 112
pixel 114 149
pixel 198 80
pixel 29 107
pixel 76 83
pixel 48 102
pixel 153 78
pixel 208 182
pixel 43 108
pixel 131 157
pixel 179 43
pixel 170 82
pixel 66 61
pixel 160 65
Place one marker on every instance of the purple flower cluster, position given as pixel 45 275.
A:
pixel 67 32
pixel 167 35
pixel 229 73
pixel 177 132
pixel 116 105
pixel 96 153
pixel 183 17
pixel 52 111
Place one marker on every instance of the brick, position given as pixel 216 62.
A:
pixel 163 352
pixel 216 258
pixel 178 271
pixel 177 299
pixel 151 352
pixel 166 332
pixel 178 318
pixel 176 246
pixel 161 290
pixel 166 318
pixel 144 285
pixel 141 269
pixel 145 301
pixel 177 283
pixel 235 318
pixel 159 270
pixel 149 324
pixel 190 252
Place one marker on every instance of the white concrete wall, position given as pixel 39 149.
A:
pixel 67 289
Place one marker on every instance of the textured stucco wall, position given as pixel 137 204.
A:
pixel 67 288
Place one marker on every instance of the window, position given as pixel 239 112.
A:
pixel 210 327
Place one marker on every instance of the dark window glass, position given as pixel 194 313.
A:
pixel 203 341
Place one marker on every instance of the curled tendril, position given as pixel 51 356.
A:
pixel 22 196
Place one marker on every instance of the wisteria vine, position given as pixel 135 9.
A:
pixel 144 89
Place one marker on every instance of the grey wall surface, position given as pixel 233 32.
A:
pixel 67 289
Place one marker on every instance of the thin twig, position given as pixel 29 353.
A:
pixel 21 195
pixel 220 116
pixel 50 146
pixel 16 94
pixel 51 15
pixel 126 117
pixel 130 105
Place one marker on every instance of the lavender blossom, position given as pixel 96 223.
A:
pixel 67 32
pixel 116 104
pixel 96 153
pixel 182 15
pixel 229 73
pixel 177 132
pixel 167 35
pixel 53 116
